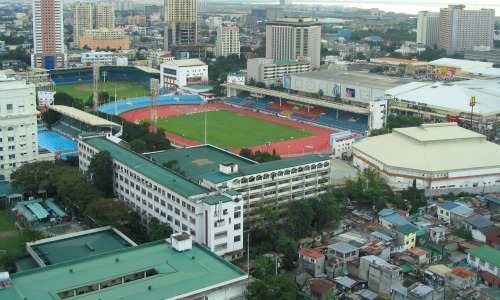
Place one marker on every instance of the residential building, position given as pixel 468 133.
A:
pixel 18 125
pixel 228 40
pixel 103 58
pixel 461 279
pixel 104 16
pixel 486 260
pixel 294 38
pixel 382 276
pixel 181 22
pixel 136 20
pixel 312 261
pixel 104 38
pixel 183 72
pixel 275 183
pixel 117 268
pixel 407 235
pixel 48 35
pixel 428 29
pixel 341 144
pixel 461 29
pixel 83 20
pixel 213 218
pixel 453 212
pixel 390 218
pixel 438 163
pixel 271 71
pixel 490 55
pixel 339 255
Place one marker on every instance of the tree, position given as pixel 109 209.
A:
pixel 280 287
pixel 320 93
pixel 61 98
pixel 50 117
pixel 33 177
pixel 138 145
pixel 264 267
pixel 158 230
pixel 72 189
pixel 326 210
pixel 101 172
pixel 300 218
pixel 287 247
pixel 245 152
pixel 108 212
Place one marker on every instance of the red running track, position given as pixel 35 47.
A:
pixel 319 142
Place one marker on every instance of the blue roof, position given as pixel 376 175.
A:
pixel 396 219
pixel 449 205
pixel 386 212
pixel 492 199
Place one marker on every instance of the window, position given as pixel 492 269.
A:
pixel 237 238
pixel 237 226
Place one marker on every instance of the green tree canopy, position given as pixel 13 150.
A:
pixel 101 172
pixel 280 287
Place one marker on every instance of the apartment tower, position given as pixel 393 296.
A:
pixel 83 20
pixel 294 39
pixel 48 35
pixel 104 16
pixel 181 22
pixel 461 29
pixel 428 29
pixel 228 40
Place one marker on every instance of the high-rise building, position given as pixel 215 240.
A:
pixel 228 40
pixel 48 35
pixel 294 38
pixel 83 20
pixel 104 16
pixel 428 29
pixel 181 22
pixel 18 123
pixel 461 29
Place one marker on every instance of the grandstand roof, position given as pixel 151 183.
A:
pixel 191 62
pixel 452 96
pixel 435 147
pixel 82 116
pixel 299 99
pixel 153 171
pixel 148 69
pixel 178 275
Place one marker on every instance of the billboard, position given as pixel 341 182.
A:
pixel 351 93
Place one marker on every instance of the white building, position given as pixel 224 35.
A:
pixel 18 125
pixel 452 212
pixel 341 144
pixel 103 58
pixel 428 29
pixel 228 40
pixel 485 258
pixel 48 35
pixel 461 29
pixel 179 73
pixel 440 158
pixel 294 38
pixel 270 71
pixel 214 219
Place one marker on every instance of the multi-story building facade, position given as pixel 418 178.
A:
pixel 104 16
pixel 18 125
pixel 181 22
pixel 269 71
pixel 213 218
pixel 428 29
pixel 182 72
pixel 48 35
pixel 228 40
pixel 461 29
pixel 103 58
pixel 83 20
pixel 294 38
pixel 105 39
pixel 272 183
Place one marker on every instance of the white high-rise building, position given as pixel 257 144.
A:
pixel 18 125
pixel 82 20
pixel 48 35
pixel 461 29
pixel 104 16
pixel 228 40
pixel 294 38
pixel 181 22
pixel 428 29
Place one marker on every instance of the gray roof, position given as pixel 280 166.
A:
pixel 478 221
pixel 343 247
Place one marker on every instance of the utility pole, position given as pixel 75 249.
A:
pixel 95 86
pixel 472 103
pixel 205 127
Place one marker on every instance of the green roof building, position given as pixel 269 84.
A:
pixel 485 258
pixel 174 269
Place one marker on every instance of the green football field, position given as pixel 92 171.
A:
pixel 124 89
pixel 229 129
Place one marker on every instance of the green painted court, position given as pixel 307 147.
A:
pixel 229 129
pixel 124 89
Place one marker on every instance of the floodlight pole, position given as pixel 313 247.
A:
pixel 205 127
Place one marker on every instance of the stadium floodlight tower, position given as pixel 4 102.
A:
pixel 154 88
pixel 95 85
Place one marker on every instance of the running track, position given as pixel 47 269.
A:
pixel 317 143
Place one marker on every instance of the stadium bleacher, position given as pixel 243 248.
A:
pixel 319 115
pixel 119 107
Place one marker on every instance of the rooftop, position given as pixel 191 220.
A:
pixel 459 63
pixel 38 209
pixel 486 253
pixel 447 147
pixel 82 116
pixel 478 221
pixel 407 229
pixel 192 62
pixel 172 274
pixel 343 247
pixel 83 244
pixel 453 96
pixel 364 79
pixel 146 167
